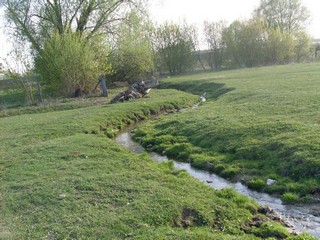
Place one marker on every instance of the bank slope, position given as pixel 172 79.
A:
pixel 257 124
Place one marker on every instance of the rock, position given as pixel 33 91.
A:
pixel 209 181
pixel 271 182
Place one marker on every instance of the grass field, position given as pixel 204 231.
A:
pixel 258 124
pixel 62 177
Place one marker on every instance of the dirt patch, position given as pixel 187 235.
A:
pixel 190 217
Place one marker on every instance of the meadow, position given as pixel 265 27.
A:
pixel 63 177
pixel 257 124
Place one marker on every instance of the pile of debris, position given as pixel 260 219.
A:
pixel 136 90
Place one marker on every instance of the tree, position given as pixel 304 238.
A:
pixel 68 65
pixel 245 42
pixel 175 46
pixel 303 47
pixel 34 21
pixel 253 43
pixel 279 47
pixel 214 38
pixel 132 56
pixel 65 26
pixel 286 15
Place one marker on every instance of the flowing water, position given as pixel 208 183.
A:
pixel 303 219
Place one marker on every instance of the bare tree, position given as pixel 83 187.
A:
pixel 287 15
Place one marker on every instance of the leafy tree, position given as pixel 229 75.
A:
pixel 132 56
pixel 279 47
pixel 213 32
pixel 67 38
pixel 303 47
pixel 245 42
pixel 286 15
pixel 253 43
pixel 175 46
pixel 68 64
pixel 233 43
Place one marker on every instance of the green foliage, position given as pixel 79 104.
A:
pixel 252 43
pixel 132 57
pixel 257 184
pixel 174 44
pixel 213 32
pixel 280 47
pixel 290 198
pixel 68 63
pixel 303 43
pixel 271 230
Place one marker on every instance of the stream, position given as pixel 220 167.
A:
pixel 303 219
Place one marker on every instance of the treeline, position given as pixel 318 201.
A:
pixel 72 43
pixel 253 43
pixel 274 35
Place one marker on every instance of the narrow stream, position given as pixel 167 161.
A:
pixel 303 219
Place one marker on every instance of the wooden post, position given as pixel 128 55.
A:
pixel 103 86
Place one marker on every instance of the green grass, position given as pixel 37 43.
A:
pixel 63 178
pixel 13 102
pixel 257 124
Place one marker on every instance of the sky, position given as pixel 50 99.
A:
pixel 196 12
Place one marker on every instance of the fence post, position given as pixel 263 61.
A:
pixel 103 86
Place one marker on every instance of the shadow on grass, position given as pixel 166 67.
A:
pixel 199 87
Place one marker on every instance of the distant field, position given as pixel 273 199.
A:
pixel 258 124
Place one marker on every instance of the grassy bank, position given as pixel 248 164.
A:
pixel 62 178
pixel 257 124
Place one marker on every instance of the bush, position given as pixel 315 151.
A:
pixel 68 64
pixel 133 57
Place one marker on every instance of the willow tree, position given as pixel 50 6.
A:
pixel 36 23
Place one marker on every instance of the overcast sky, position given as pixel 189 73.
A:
pixel 196 11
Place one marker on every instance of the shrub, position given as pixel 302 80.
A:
pixel 68 63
